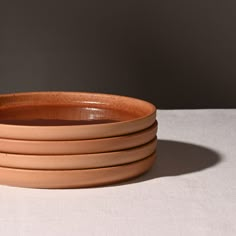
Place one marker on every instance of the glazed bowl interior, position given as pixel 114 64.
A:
pixel 69 108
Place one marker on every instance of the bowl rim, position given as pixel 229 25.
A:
pixel 83 146
pixel 114 124
pixel 45 179
pixel 78 161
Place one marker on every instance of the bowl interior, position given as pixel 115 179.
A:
pixel 58 109
pixel 51 115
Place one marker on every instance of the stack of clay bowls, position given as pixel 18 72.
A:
pixel 74 139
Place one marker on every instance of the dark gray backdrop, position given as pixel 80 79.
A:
pixel 176 54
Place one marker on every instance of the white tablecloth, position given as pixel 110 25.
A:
pixel 191 189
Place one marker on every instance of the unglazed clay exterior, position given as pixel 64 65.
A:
pixel 79 146
pixel 82 161
pixel 74 139
pixel 72 115
pixel 74 178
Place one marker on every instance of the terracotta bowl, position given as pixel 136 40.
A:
pixel 82 161
pixel 72 115
pixel 78 146
pixel 74 178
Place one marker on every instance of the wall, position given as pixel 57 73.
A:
pixel 176 54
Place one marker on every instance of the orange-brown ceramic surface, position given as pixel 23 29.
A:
pixel 78 146
pixel 72 115
pixel 82 161
pixel 74 178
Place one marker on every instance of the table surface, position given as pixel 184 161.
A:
pixel 190 190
